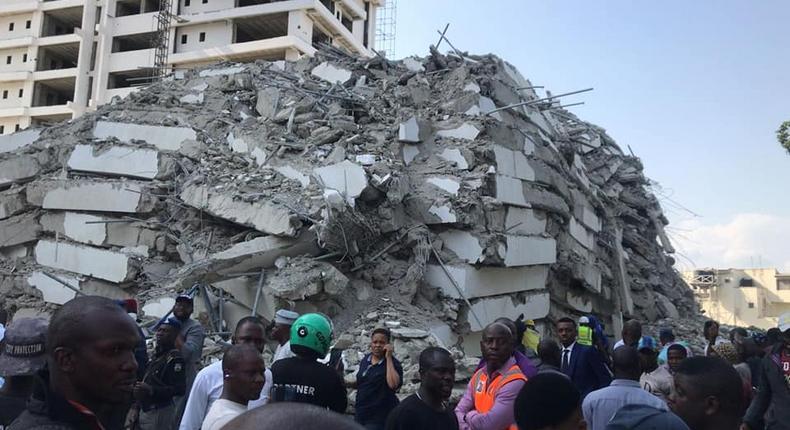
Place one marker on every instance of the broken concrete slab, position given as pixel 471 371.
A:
pixel 99 263
pixel 331 73
pixel 444 213
pixel 413 64
pixel 529 251
pixel 483 106
pixel 307 279
pixel 53 291
pixel 580 302
pixel 511 191
pixel 409 153
pixel 12 202
pixel 347 178
pixel 159 307
pixel 19 229
pixel 86 195
pixel 522 221
pixel 18 169
pixel 261 252
pixel 581 234
pixel 268 100
pixel 291 173
pixel 414 130
pixel 192 99
pixel 464 244
pixel 534 306
pixel 264 216
pixel 221 72
pixel 455 156
pixel 163 138
pixel 464 131
pixel 20 139
pixel 102 230
pixel 237 144
pixel 513 164
pixel 116 161
pixel 486 281
pixel 445 184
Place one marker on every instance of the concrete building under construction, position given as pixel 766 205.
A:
pixel 59 58
pixel 742 297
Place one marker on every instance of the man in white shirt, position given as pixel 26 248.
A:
pixel 632 334
pixel 207 387
pixel 281 332
pixel 243 375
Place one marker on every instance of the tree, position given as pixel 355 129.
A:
pixel 783 135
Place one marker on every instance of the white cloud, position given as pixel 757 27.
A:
pixel 747 240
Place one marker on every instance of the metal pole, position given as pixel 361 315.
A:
pixel 530 88
pixel 62 282
pixel 564 106
pixel 442 35
pixel 457 52
pixel 531 102
pixel 258 295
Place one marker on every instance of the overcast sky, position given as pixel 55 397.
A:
pixel 696 88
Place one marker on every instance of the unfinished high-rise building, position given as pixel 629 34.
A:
pixel 59 58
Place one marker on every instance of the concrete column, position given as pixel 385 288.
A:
pixel 80 102
pixel 101 75
pixel 292 54
pixel 300 25
pixel 372 26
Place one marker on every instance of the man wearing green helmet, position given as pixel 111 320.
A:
pixel 303 379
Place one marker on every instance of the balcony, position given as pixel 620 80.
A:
pixel 269 49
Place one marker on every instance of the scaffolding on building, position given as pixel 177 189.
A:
pixel 161 40
pixel 385 28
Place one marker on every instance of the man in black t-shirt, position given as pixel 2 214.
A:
pixel 303 379
pixel 427 409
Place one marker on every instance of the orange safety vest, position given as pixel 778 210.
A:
pixel 485 392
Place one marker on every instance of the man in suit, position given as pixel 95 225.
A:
pixel 581 363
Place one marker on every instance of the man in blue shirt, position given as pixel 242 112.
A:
pixel 601 405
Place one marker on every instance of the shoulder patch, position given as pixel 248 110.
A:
pixel 178 367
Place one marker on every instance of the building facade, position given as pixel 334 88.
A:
pixel 59 58
pixel 742 297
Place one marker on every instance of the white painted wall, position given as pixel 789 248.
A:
pixel 19 22
pixel 201 6
pixel 9 94
pixel 217 34
pixel 18 63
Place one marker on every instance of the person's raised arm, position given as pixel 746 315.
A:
pixel 393 374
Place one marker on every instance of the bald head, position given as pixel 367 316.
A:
pixel 236 355
pixel 77 320
pixel 291 416
pixel 625 361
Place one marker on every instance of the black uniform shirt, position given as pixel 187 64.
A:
pixel 414 414
pixel 303 380
pixel 166 374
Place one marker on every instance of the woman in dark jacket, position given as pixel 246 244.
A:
pixel 379 378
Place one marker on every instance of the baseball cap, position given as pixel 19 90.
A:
pixel 666 333
pixel 24 347
pixel 646 342
pixel 174 322
pixel 784 322
pixel 584 320
pixel 285 317
pixel 184 298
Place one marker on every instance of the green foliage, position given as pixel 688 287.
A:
pixel 783 135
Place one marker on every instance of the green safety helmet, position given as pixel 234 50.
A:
pixel 312 331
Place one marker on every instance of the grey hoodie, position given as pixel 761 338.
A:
pixel 643 417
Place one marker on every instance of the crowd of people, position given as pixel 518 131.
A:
pixel 88 368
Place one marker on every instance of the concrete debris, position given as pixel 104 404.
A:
pixel 378 192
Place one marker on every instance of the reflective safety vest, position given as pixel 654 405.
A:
pixel 531 339
pixel 585 336
pixel 485 392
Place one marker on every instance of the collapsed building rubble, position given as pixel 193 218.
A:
pixel 377 192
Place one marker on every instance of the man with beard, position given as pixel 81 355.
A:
pixel 427 409
pixel 91 369
pixel 163 380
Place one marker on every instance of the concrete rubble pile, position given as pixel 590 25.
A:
pixel 377 192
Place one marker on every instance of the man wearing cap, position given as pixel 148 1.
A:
pixel 24 353
pixel 281 332
pixel 190 340
pixel 164 379
pixel 655 379
pixel 774 385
